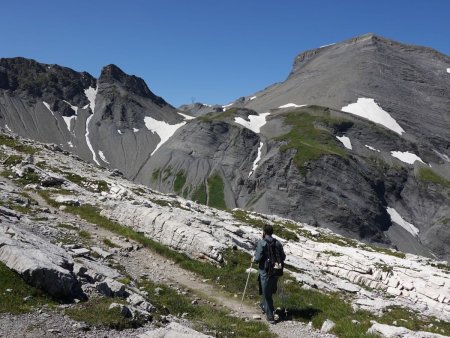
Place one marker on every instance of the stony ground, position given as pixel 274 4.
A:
pixel 139 263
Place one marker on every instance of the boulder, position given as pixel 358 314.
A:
pixel 67 200
pixel 327 326
pixel 111 288
pixel 124 310
pixel 40 263
pixel 396 331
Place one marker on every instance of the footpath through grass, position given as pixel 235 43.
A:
pixel 302 304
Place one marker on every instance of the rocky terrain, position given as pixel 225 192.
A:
pixel 355 140
pixel 91 239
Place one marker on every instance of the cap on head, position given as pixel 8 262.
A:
pixel 268 229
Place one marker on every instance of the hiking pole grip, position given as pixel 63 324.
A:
pixel 246 284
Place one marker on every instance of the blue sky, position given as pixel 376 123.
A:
pixel 210 50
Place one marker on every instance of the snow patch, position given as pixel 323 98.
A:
pixel 120 131
pixel 7 128
pixel 345 141
pixel 91 94
pixel 330 44
pixel 448 70
pixel 162 129
pixel 406 157
pixel 291 105
pixel 187 117
pixel 370 110
pixel 225 107
pixel 68 120
pixel 135 130
pixel 70 144
pixel 74 108
pixel 88 142
pixel 396 218
pixel 102 156
pixel 372 148
pixel 48 107
pixel 256 161
pixel 255 123
pixel 252 98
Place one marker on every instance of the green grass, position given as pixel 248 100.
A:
pixel 84 234
pixel 303 305
pixel 180 181
pixel 167 172
pixel 280 229
pixel 110 244
pixel 156 174
pixel 18 146
pixel 86 183
pixel 96 312
pixel 13 160
pixel 199 194
pixel 205 317
pixel 428 175
pixel 216 197
pixel 12 302
pixel 310 142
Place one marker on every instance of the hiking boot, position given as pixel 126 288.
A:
pixel 272 321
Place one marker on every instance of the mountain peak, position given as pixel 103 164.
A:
pixel 112 74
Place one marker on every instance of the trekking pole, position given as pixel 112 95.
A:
pixel 246 283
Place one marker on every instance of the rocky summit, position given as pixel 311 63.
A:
pixel 121 215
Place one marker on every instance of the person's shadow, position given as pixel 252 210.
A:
pixel 301 314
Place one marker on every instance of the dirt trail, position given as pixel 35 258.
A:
pixel 162 270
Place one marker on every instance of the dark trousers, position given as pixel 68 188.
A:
pixel 267 287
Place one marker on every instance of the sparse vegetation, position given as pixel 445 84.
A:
pixel 310 141
pixel 13 160
pixel 216 197
pixel 303 305
pixel 180 181
pixel 15 301
pixel 279 228
pixel 91 185
pixel 199 194
pixel 428 175
pixel 110 244
pixel 16 145
pixel 96 312
pixel 156 175
pixel 205 317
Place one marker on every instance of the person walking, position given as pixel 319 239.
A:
pixel 269 255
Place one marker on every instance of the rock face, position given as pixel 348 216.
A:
pixel 40 263
pixel 354 140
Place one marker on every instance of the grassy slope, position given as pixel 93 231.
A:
pixel 310 141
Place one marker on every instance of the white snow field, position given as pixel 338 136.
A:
pixel 372 148
pixel 88 141
pixel 370 110
pixel 406 157
pixel 345 141
pixel 68 119
pixel 397 219
pixel 162 129
pixel 252 98
pixel 135 130
pixel 48 107
pixel 103 157
pixel 225 107
pixel 256 161
pixel 188 117
pixel 448 70
pixel 291 105
pixel 255 123
pixel 91 94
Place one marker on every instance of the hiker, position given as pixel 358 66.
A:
pixel 269 253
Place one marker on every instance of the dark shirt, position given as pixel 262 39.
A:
pixel 261 251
